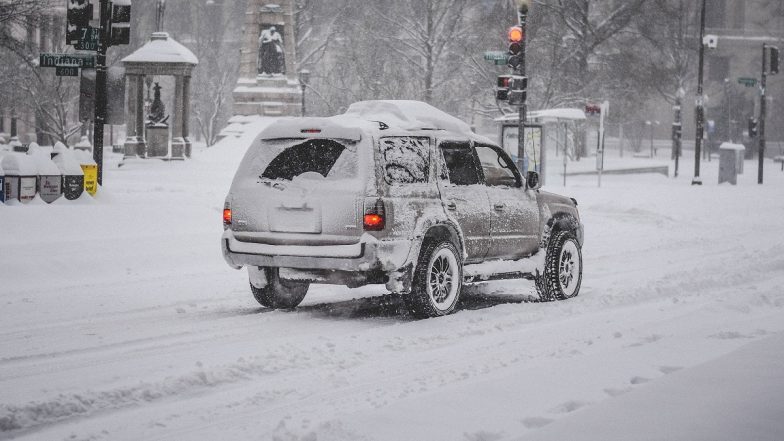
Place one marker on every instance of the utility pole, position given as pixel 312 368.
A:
pixel 700 111
pixel 100 85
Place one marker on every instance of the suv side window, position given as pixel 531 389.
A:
pixel 460 163
pixel 497 167
pixel 406 159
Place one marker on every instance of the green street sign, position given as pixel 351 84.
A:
pixel 84 61
pixel 67 71
pixel 499 57
pixel 748 82
pixel 88 39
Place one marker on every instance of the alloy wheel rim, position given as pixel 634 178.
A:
pixel 569 268
pixel 442 283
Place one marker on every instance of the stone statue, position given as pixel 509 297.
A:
pixel 272 56
pixel 158 109
pixel 159 16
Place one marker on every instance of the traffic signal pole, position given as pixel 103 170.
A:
pixel 763 113
pixel 523 108
pixel 100 86
pixel 700 101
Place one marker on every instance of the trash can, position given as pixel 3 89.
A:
pixel 73 176
pixel 21 177
pixel 49 176
pixel 2 182
pixel 90 169
pixel 731 157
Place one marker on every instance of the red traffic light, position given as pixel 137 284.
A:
pixel 593 109
pixel 516 34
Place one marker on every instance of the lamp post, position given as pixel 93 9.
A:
pixel 304 80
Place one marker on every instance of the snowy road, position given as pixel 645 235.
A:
pixel 120 321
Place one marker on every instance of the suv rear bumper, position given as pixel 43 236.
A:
pixel 364 256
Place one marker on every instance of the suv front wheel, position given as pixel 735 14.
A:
pixel 279 293
pixel 438 280
pixel 563 270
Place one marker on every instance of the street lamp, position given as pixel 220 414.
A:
pixel 304 80
pixel 700 111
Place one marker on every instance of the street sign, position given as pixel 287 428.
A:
pixel 84 61
pixel 67 71
pixel 88 39
pixel 748 82
pixel 499 57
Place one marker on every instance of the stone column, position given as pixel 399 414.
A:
pixel 178 139
pixel 130 117
pixel 186 114
pixel 142 142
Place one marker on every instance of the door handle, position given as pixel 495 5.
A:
pixel 451 206
pixel 500 207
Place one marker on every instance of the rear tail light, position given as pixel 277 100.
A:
pixel 374 219
pixel 227 216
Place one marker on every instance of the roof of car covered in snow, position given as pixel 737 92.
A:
pixel 376 118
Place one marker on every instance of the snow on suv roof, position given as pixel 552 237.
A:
pixel 407 115
pixel 370 115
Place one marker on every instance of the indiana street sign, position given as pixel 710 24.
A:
pixel 497 56
pixel 84 61
pixel 88 39
pixel 67 71
pixel 748 82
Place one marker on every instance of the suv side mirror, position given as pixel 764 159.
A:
pixel 532 181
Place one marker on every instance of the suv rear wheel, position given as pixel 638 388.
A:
pixel 563 270
pixel 438 280
pixel 279 293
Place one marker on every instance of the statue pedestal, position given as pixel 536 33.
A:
pixel 268 95
pixel 157 141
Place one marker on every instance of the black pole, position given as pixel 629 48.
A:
pixel 763 112
pixel 677 130
pixel 523 109
pixel 100 88
pixel 700 113
pixel 303 99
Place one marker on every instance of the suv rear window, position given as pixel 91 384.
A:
pixel 326 157
pixel 406 159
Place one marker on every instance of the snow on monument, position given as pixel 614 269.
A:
pixel 268 82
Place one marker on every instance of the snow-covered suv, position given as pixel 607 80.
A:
pixel 396 193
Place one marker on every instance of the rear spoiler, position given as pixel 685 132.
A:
pixel 310 128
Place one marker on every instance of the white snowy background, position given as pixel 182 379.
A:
pixel 119 320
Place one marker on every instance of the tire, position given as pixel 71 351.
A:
pixel 563 269
pixel 279 294
pixel 438 281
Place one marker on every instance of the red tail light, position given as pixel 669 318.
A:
pixel 374 219
pixel 227 216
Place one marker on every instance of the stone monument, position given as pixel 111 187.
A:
pixel 268 84
pixel 157 127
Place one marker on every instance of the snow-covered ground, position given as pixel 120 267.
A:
pixel 120 321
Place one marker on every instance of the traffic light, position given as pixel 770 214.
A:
pixel 78 16
pixel 677 132
pixel 518 90
pixel 516 36
pixel 121 22
pixel 773 60
pixel 753 127
pixel 502 87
